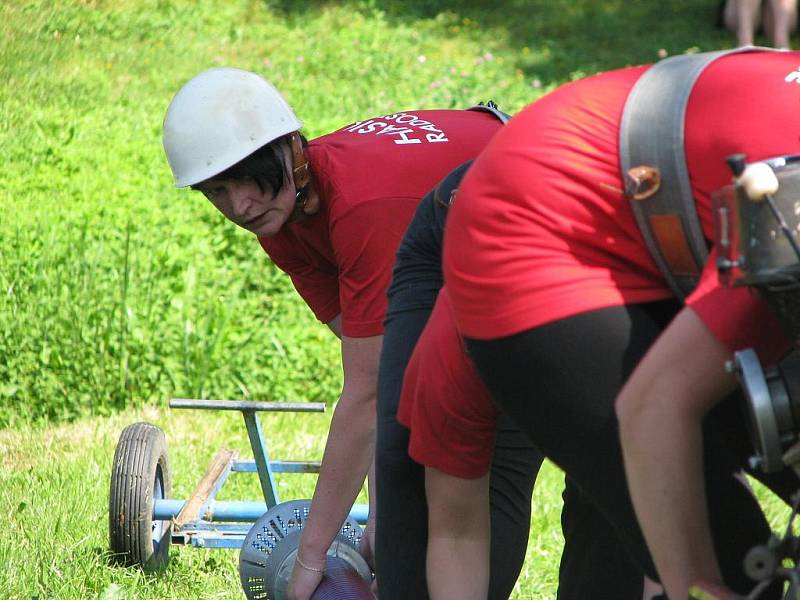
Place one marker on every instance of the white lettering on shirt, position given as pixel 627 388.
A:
pixel 794 76
pixel 402 132
pixel 436 137
pixel 412 131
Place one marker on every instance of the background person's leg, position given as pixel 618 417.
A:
pixel 780 21
pixel 591 563
pixel 401 529
pixel 742 18
pixel 515 465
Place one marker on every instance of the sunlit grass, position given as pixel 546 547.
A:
pixel 118 292
pixel 54 490
pixel 54 484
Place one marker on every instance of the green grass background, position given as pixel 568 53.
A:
pixel 118 292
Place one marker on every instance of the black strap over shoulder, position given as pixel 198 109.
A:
pixel 491 108
pixel 445 192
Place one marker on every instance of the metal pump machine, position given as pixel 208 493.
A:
pixel 757 222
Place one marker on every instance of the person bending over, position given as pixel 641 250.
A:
pixel 330 213
pixel 565 313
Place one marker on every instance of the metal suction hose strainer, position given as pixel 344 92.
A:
pixel 268 554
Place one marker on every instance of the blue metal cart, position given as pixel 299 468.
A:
pixel 143 517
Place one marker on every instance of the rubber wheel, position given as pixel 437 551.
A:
pixel 140 475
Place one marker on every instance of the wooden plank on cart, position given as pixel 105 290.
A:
pixel 209 484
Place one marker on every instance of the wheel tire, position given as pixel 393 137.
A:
pixel 140 474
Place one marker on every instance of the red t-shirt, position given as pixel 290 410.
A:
pixel 550 233
pixel 444 403
pixel 370 175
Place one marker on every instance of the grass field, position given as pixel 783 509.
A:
pixel 118 292
pixel 54 487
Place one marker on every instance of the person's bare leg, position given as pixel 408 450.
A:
pixel 458 536
pixel 741 17
pixel 780 21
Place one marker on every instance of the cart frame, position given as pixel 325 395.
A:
pixel 203 521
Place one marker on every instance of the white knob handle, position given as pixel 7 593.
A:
pixel 758 180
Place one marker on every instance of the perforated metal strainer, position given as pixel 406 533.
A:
pixel 269 550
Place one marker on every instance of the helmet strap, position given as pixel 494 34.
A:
pixel 301 174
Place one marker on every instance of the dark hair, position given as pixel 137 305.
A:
pixel 267 166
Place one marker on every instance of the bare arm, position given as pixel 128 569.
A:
pixel 347 458
pixel 660 411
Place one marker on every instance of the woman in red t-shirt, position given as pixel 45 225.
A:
pixel 565 312
pixel 330 213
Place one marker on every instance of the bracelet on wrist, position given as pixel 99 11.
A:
pixel 305 566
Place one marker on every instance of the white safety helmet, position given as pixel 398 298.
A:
pixel 220 117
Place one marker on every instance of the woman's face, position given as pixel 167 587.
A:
pixel 246 204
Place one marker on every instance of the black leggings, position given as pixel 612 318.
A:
pixel 401 532
pixel 558 382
